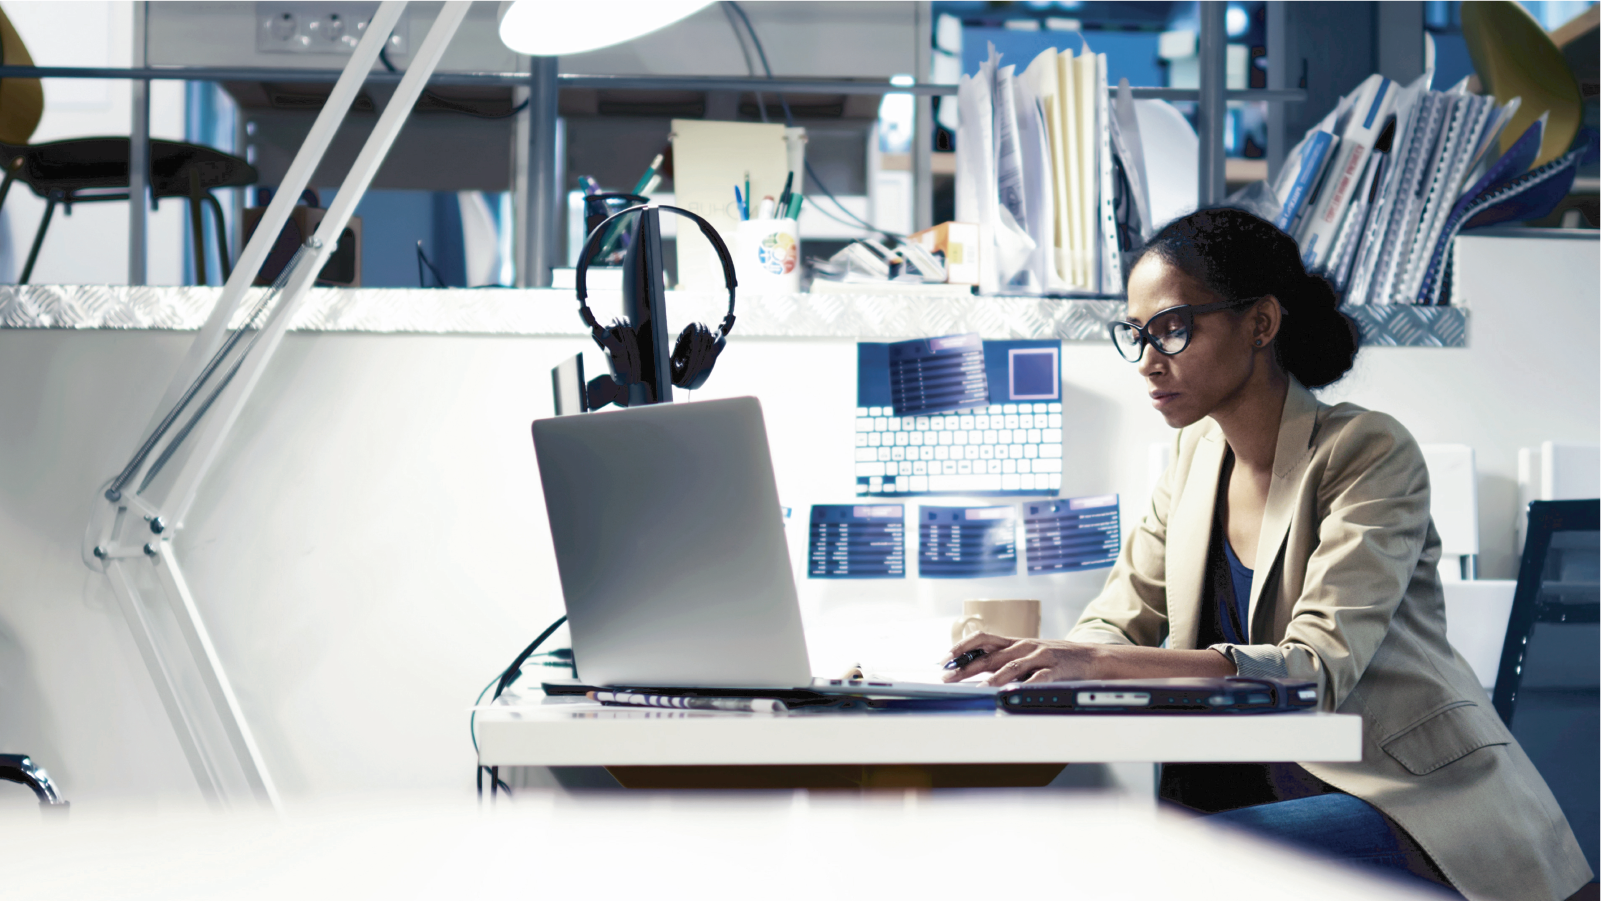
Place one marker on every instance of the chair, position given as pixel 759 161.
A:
pixel 20 769
pixel 92 170
pixel 1548 691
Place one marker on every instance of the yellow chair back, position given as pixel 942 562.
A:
pixel 21 99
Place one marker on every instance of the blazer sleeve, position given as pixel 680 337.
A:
pixel 1375 491
pixel 1132 605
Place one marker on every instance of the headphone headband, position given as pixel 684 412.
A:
pixel 592 246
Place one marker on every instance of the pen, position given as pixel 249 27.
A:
pixel 650 173
pixel 795 202
pixel 679 702
pixel 766 211
pixel 783 196
pixel 965 658
pixel 739 204
pixel 747 194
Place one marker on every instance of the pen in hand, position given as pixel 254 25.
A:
pixel 963 659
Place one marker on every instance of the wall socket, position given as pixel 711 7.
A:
pixel 328 28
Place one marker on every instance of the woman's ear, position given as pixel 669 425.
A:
pixel 1266 316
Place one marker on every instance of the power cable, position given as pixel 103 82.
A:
pixel 452 106
pixel 500 683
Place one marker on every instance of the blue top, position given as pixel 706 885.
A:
pixel 1240 577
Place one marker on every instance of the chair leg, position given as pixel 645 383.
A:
pixel 222 237
pixel 5 187
pixel 197 226
pixel 38 238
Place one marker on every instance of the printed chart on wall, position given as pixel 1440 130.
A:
pixel 957 415
pixel 855 541
pixel 966 542
pixel 1071 533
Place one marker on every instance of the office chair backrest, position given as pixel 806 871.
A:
pixel 21 99
pixel 1548 691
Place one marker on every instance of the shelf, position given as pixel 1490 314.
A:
pixel 552 313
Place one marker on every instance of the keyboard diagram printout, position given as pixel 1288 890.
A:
pixel 966 542
pixel 1006 443
pixel 1071 533
pixel 854 541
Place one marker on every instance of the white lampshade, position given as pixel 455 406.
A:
pixel 565 27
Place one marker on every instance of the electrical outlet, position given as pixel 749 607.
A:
pixel 313 27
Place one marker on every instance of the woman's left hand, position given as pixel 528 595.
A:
pixel 1025 659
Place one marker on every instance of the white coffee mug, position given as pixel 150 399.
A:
pixel 767 256
pixel 1008 618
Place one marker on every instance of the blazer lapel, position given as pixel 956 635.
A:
pixel 1190 530
pixel 1297 428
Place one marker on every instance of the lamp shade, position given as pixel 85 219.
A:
pixel 565 27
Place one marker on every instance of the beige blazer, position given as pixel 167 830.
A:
pixel 1347 595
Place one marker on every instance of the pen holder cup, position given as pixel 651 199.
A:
pixel 767 256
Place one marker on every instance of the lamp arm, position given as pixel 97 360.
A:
pixel 212 435
pixel 194 367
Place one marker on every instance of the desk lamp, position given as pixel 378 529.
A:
pixel 138 512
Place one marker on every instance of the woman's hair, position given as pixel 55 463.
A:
pixel 1239 256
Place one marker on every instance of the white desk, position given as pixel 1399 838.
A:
pixel 575 732
pixel 802 846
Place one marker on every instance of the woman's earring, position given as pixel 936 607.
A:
pixel 1259 342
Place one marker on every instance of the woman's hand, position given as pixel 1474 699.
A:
pixel 1025 659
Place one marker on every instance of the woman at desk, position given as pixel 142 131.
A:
pixel 1291 538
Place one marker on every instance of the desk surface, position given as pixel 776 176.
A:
pixel 541 731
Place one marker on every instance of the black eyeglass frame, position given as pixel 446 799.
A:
pixel 1185 312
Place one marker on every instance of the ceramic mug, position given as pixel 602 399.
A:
pixel 1009 618
pixel 767 257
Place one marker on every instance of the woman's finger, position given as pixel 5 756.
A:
pixel 997 651
pixel 1019 667
pixel 980 640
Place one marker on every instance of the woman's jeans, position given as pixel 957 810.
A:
pixel 1343 827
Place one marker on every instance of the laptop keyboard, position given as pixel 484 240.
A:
pixel 999 448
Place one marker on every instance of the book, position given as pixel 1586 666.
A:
pixel 1394 140
pixel 1421 156
pixel 1367 118
pixel 1343 256
pixel 1111 258
pixel 1309 164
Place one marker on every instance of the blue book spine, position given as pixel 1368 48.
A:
pixel 1317 147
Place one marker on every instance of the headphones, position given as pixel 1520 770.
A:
pixel 697 347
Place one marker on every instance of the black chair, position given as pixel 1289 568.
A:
pixel 1548 691
pixel 90 170
pixel 20 769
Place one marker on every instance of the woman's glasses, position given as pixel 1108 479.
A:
pixel 1168 332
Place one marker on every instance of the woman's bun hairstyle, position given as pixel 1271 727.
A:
pixel 1238 255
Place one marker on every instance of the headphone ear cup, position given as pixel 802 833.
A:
pixel 694 354
pixel 622 351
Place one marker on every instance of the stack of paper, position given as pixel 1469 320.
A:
pixel 1375 193
pixel 1042 160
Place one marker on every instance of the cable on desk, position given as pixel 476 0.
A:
pixel 500 683
pixel 789 119
pixel 451 106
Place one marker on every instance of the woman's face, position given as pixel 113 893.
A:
pixel 1215 365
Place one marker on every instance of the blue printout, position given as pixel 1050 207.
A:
pixel 857 541
pixel 966 542
pixel 937 375
pixel 1071 533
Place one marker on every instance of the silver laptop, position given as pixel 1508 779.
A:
pixel 670 544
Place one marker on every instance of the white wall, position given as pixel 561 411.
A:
pixel 89 33
pixel 372 547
